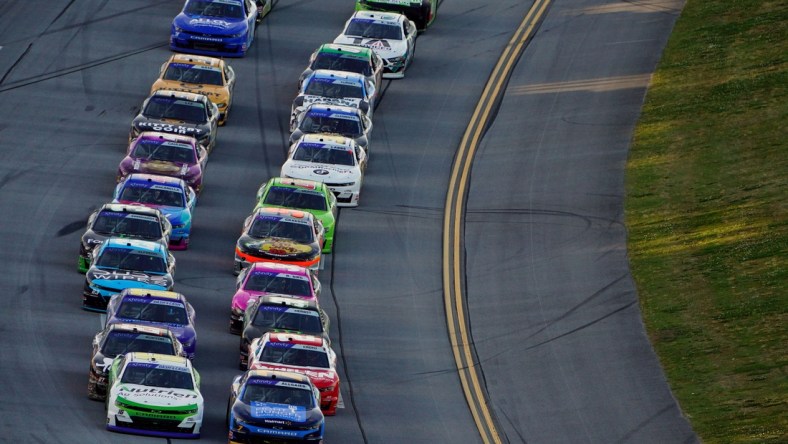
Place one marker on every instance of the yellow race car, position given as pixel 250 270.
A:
pixel 208 76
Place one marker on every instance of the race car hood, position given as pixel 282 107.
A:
pixel 91 238
pixel 320 172
pixel 382 47
pixel 120 279
pixel 215 93
pixel 197 130
pixel 278 248
pixel 275 415
pixel 309 99
pixel 321 377
pixel 210 25
pixel 145 396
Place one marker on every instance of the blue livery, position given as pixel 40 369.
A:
pixel 214 27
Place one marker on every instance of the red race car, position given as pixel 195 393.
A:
pixel 305 354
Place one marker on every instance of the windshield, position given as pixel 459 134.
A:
pixel 153 310
pixel 263 391
pixel 121 342
pixel 164 151
pixel 169 197
pixel 272 227
pixel 321 123
pixel 287 354
pixel 183 72
pixel 317 154
pixel 120 224
pixel 334 89
pixel 134 260
pixel 175 109
pixel 212 8
pixel 286 318
pixel 155 375
pixel 371 30
pixel 278 283
pixel 338 62
pixel 295 198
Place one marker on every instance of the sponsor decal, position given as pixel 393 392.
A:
pixel 298 277
pixel 153 301
pixel 281 309
pixel 309 99
pixel 283 411
pixel 280 247
pixel 170 128
pixel 202 21
pixel 152 392
pixel 99 274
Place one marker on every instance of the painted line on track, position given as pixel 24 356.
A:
pixel 453 225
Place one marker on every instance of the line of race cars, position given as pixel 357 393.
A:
pixel 141 362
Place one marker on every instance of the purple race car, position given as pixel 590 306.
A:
pixel 166 154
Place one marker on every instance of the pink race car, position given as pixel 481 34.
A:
pixel 166 154
pixel 267 278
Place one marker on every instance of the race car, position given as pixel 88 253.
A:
pixel 308 195
pixel 164 309
pixel 334 160
pixel 119 339
pixel 154 394
pixel 209 76
pixel 330 119
pixel 276 313
pixel 215 27
pixel 347 58
pixel 334 88
pixel 422 12
pixel 391 35
pixel 126 221
pixel 280 235
pixel 304 354
pixel 177 112
pixel 166 154
pixel 274 407
pixel 270 278
pixel 118 264
pixel 171 195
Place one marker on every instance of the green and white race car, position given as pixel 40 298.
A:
pixel 307 195
pixel 422 12
pixel 154 394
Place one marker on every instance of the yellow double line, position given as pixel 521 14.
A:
pixel 453 225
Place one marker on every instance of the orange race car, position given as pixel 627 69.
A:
pixel 208 76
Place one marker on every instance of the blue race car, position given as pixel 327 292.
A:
pixel 215 27
pixel 274 406
pixel 171 195
pixel 118 264
pixel 164 309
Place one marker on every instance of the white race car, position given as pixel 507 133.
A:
pixel 391 35
pixel 334 88
pixel 153 394
pixel 337 161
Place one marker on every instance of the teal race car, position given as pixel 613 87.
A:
pixel 307 195
pixel 422 12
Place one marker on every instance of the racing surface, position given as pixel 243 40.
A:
pixel 553 310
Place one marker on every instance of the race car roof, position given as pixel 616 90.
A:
pixel 379 16
pixel 155 179
pixel 158 135
pixel 194 97
pixel 153 294
pixel 277 267
pixel 287 301
pixel 136 328
pixel 330 141
pixel 332 109
pixel 197 60
pixel 131 209
pixel 301 184
pixel 156 358
pixel 330 74
pixel 295 338
pixel 346 50
pixel 134 244
pixel 283 213
pixel 278 374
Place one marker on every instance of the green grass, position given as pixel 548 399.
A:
pixel 707 213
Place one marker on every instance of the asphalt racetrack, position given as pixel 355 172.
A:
pixel 552 308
